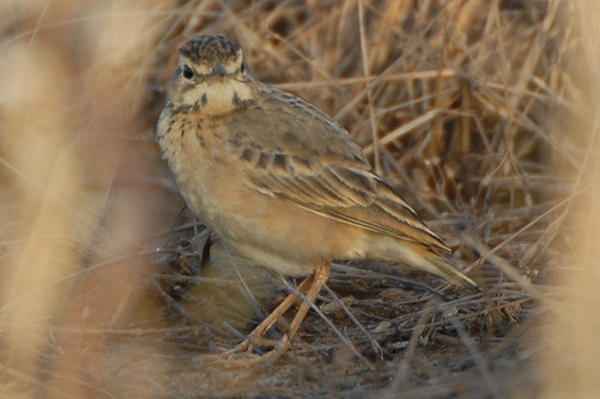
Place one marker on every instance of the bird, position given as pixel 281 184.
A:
pixel 280 182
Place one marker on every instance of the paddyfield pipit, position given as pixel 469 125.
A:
pixel 279 181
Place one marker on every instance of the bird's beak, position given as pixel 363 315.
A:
pixel 219 70
pixel 217 73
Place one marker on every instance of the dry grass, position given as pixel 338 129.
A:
pixel 482 113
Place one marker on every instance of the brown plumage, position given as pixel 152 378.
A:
pixel 277 179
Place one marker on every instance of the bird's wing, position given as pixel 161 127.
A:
pixel 296 152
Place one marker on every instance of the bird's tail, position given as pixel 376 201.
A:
pixel 420 257
pixel 450 273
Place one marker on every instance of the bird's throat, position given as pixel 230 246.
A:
pixel 219 97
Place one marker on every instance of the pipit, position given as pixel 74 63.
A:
pixel 280 181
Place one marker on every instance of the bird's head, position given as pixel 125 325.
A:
pixel 211 76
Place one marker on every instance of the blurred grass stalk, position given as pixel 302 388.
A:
pixel 48 180
pixel 571 364
pixel 67 135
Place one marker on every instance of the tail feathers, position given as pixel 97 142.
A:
pixel 420 257
pixel 444 269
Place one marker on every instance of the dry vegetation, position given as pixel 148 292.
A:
pixel 483 114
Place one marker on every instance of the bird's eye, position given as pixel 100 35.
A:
pixel 188 72
pixel 243 68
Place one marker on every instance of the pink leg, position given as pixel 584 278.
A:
pixel 320 277
pixel 262 328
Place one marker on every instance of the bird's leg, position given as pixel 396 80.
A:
pixel 320 277
pixel 262 328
